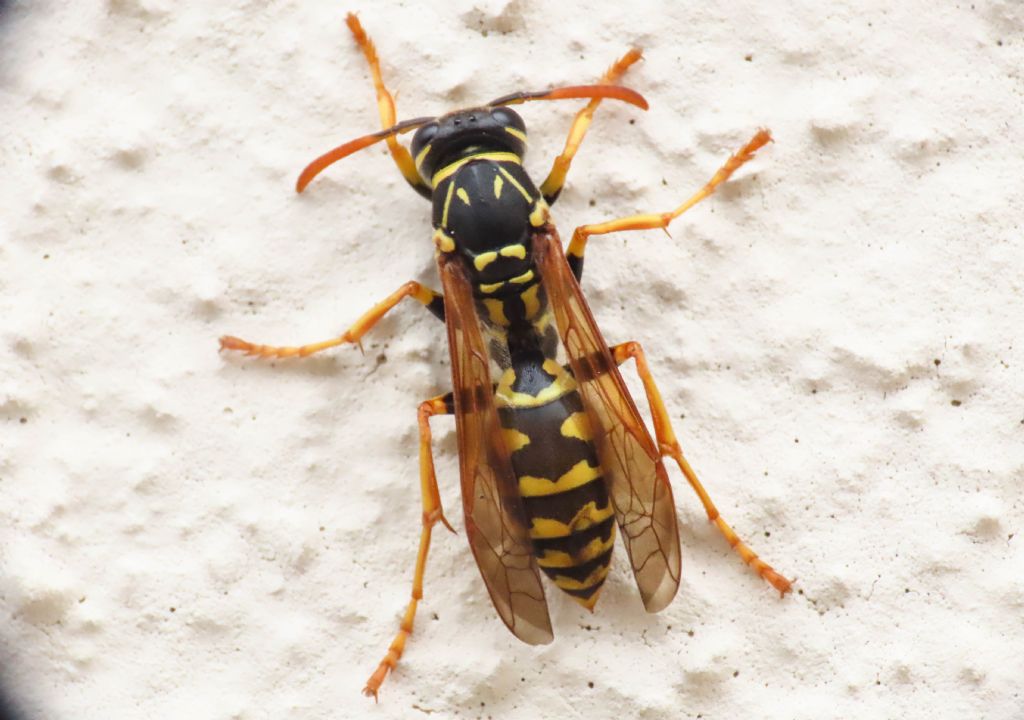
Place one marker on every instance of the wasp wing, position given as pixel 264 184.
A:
pixel 495 519
pixel 636 477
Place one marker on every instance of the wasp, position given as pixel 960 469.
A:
pixel 553 454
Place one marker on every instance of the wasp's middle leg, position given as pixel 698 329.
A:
pixel 432 513
pixel 431 299
pixel 668 445
pixel 647 221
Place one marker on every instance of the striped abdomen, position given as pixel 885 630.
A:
pixel 553 455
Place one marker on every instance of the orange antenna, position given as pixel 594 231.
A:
pixel 594 92
pixel 332 156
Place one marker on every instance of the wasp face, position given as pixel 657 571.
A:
pixel 464 132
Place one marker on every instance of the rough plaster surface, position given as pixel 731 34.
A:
pixel 186 535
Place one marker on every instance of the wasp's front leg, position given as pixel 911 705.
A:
pixel 430 299
pixel 552 185
pixel 386 107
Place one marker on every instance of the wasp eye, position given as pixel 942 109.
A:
pixel 507 118
pixel 425 134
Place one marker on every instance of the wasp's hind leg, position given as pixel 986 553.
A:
pixel 386 107
pixel 552 185
pixel 669 447
pixel 431 299
pixel 432 513
pixel 578 244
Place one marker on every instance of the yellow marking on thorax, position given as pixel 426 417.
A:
pixel 489 288
pixel 580 474
pixel 484 259
pixel 463 195
pixel 563 384
pixel 593 549
pixel 515 440
pixel 443 241
pixel 524 278
pixel 496 312
pixel 539 214
pixel 450 168
pixel 577 426
pixel 516 133
pixel 515 183
pixel 568 583
pixel 588 516
pixel 530 301
pixel 447 204
pixel 498 182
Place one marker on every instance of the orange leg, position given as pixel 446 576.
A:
pixel 555 180
pixel 669 447
pixel 648 221
pixel 431 299
pixel 386 107
pixel 432 513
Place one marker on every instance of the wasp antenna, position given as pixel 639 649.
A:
pixel 593 92
pixel 353 146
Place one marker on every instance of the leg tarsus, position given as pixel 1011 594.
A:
pixel 669 446
pixel 422 294
pixel 230 342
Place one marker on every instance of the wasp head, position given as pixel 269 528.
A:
pixel 465 132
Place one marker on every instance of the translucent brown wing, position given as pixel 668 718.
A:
pixel 637 481
pixel 495 520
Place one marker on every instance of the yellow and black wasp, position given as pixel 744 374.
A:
pixel 553 454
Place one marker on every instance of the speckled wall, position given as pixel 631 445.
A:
pixel 187 534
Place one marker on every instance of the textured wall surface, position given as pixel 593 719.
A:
pixel 190 535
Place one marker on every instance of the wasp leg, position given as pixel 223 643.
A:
pixel 433 301
pixel 578 244
pixel 432 513
pixel 386 108
pixel 669 447
pixel 552 185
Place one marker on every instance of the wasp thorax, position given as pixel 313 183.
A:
pixel 464 132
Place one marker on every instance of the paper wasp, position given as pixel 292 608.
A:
pixel 553 453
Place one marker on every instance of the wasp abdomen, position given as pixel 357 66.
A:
pixel 560 479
